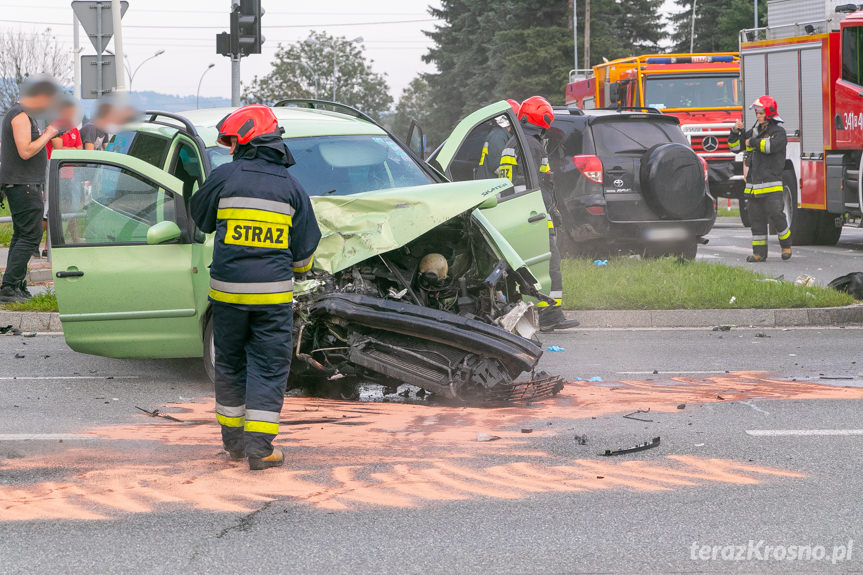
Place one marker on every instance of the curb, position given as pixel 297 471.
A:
pixel 666 318
pixel 685 318
pixel 31 320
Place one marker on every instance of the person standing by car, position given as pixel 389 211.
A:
pixel 94 134
pixel 536 115
pixel 23 166
pixel 766 143
pixel 265 232
pixel 69 138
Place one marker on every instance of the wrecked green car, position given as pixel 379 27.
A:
pixel 417 279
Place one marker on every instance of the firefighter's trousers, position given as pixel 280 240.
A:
pixel 767 209
pixel 556 278
pixel 253 358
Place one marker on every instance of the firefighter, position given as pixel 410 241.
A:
pixel 494 144
pixel 265 232
pixel 765 144
pixel 535 116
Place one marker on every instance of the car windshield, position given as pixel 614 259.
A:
pixel 634 135
pixel 663 92
pixel 345 165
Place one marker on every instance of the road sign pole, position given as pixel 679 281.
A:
pixel 99 52
pixel 119 61
pixel 76 52
pixel 235 80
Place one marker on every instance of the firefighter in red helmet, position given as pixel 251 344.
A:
pixel 765 144
pixel 535 115
pixel 265 232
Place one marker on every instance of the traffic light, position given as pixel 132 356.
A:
pixel 246 27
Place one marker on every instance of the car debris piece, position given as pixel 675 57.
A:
pixel 629 415
pixel 761 334
pixel 526 430
pixel 595 379
pixel 681 406
pixel 804 280
pixel 722 328
pixel 555 348
pixel 581 439
pixel 19 356
pixel 600 263
pixel 732 300
pixel 156 413
pixel 635 448
pixel 850 283
pixel 486 437
pixel 836 377
pixel 29 334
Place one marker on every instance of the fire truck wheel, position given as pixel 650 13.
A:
pixel 672 181
pixel 744 213
pixel 803 223
pixel 827 232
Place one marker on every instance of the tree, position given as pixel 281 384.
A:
pixel 524 47
pixel 414 104
pixel 24 54
pixel 305 70
pixel 717 24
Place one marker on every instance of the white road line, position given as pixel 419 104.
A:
pixel 801 432
pixel 43 436
pixel 755 407
pixel 53 377
pixel 666 372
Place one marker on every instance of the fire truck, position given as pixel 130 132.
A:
pixel 701 90
pixel 810 59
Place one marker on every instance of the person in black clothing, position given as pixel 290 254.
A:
pixel 23 165
pixel 266 232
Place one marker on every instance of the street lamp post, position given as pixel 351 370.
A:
pixel 132 73
pixel 356 40
pixel 198 93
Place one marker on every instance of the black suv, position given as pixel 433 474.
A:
pixel 628 179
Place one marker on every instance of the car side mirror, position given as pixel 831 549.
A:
pixel 163 232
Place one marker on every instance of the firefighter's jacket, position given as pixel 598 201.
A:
pixel 264 222
pixel 513 164
pixel 767 149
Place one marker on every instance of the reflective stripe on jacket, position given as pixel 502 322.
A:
pixel 767 148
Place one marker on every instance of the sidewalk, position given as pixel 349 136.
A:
pixel 38 270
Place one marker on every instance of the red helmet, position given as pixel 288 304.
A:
pixel 247 123
pixel 771 109
pixel 536 110
pixel 514 105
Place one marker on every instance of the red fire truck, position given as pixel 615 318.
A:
pixel 810 59
pixel 702 90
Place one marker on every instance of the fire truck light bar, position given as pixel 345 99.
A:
pixel 690 60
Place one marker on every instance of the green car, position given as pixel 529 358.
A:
pixel 131 269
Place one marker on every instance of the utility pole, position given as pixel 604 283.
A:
pixel 76 55
pixel 587 34
pixel 574 4
pixel 692 30
pixel 117 15
pixel 756 14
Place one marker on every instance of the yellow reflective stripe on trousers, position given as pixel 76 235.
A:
pixel 230 421
pixel 484 154
pixel 303 266
pixel 252 298
pixel 260 421
pixel 550 225
pixel 770 190
pixel 785 235
pixel 253 216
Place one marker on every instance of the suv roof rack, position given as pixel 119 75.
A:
pixel 646 109
pixel 315 104
pixel 571 111
pixel 187 126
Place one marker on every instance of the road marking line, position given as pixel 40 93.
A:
pixel 52 377
pixel 666 372
pixel 801 432
pixel 42 436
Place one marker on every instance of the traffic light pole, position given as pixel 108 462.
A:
pixel 235 80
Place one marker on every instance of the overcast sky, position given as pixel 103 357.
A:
pixel 186 29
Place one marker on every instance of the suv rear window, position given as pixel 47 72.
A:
pixel 345 165
pixel 634 136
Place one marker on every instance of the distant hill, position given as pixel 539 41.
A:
pixel 147 100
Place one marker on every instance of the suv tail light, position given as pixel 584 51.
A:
pixel 704 165
pixel 590 166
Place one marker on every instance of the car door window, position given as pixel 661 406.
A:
pixel 101 204
pixel 186 167
pixel 151 148
pixel 479 156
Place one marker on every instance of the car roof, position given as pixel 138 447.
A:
pixel 297 122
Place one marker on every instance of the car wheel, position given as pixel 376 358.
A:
pixel 672 181
pixel 827 232
pixel 209 350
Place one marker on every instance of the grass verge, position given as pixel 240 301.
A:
pixel 40 302
pixel 727 212
pixel 5 229
pixel 628 283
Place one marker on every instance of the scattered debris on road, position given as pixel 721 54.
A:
pixel 850 283
pixel 555 348
pixel 681 406
pixel 526 430
pixel 805 280
pixel 761 334
pixel 629 415
pixel 836 377
pixel 486 437
pixel 9 330
pixel 581 439
pixel 722 328
pixel 640 447
pixel 155 413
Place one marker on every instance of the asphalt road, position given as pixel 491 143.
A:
pixel 730 243
pixel 89 484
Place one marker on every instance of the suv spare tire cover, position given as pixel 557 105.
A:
pixel 672 181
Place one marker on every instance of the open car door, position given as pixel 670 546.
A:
pixel 416 139
pixel 122 249
pixel 472 152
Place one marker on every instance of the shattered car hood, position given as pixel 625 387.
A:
pixel 357 227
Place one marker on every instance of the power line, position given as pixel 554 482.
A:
pixel 279 26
